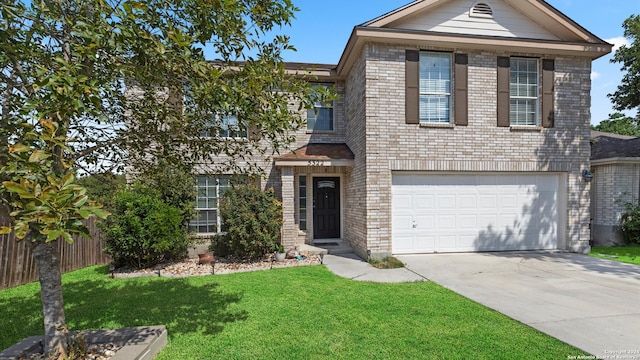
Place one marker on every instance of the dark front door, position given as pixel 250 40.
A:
pixel 326 208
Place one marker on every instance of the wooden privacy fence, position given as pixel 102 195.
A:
pixel 17 265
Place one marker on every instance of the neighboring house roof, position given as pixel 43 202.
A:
pixel 595 134
pixel 608 147
pixel 335 154
pixel 530 26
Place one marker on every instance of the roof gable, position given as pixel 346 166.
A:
pixel 527 19
pixel 526 26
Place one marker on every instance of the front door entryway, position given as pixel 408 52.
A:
pixel 326 207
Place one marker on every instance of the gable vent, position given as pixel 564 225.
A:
pixel 481 10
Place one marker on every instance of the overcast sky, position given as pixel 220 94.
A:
pixel 322 27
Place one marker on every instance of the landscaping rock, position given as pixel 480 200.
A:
pixel 140 343
pixel 190 267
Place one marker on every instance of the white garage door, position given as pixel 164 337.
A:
pixel 460 213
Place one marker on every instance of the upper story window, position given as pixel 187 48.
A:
pixel 435 87
pixel 231 127
pixel 523 91
pixel 320 118
pixel 226 126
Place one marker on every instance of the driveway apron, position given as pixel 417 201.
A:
pixel 590 303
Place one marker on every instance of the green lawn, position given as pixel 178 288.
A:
pixel 303 312
pixel 627 254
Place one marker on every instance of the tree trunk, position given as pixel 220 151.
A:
pixel 55 327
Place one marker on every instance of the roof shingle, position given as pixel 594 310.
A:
pixel 320 152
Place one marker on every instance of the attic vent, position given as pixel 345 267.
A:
pixel 481 10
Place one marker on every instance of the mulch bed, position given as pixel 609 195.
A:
pixel 190 267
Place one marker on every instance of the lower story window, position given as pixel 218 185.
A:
pixel 302 202
pixel 209 190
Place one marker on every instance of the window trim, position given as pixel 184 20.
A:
pixel 449 95
pixel 537 98
pixel 218 123
pixel 193 224
pixel 317 106
pixel 302 194
pixel 241 125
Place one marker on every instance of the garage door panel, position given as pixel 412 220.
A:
pixel 487 201
pixel 466 241
pixel 468 201
pixel 444 222
pixel 445 242
pixel 458 212
pixel 467 221
pixel 507 220
pixel 544 198
pixel 424 243
pixel 425 221
pixel 424 202
pixel 489 221
pixel 547 183
pixel 404 246
pixel 508 201
pixel 403 203
pixel 446 201
pixel 402 222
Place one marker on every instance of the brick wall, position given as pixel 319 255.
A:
pixel 392 145
pixel 356 225
pixel 612 185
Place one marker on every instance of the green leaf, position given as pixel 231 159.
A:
pixel 67 237
pixel 83 231
pixel 67 179
pixel 54 234
pixel 84 213
pixel 19 148
pixel 21 229
pixel 101 213
pixel 38 156
pixel 14 187
pixel 5 230
pixel 81 200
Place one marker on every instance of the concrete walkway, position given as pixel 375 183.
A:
pixel 353 267
pixel 590 303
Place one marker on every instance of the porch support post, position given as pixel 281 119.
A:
pixel 289 228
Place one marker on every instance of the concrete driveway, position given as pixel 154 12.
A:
pixel 589 303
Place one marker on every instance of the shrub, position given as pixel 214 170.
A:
pixel 630 222
pixel 252 220
pixel 101 187
pixel 143 231
pixel 175 186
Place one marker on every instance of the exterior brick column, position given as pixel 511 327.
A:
pixel 289 230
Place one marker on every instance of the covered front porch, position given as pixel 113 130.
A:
pixel 313 180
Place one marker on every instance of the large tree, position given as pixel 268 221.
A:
pixel 627 96
pixel 619 123
pixel 91 83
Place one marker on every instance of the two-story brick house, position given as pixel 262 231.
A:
pixel 461 126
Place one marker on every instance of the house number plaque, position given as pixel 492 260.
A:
pixel 315 163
